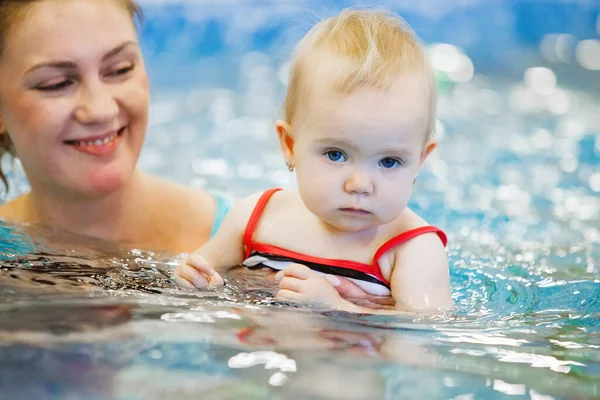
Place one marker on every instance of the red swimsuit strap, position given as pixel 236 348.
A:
pixel 329 262
pixel 255 217
pixel 405 237
pixel 372 269
pixel 294 255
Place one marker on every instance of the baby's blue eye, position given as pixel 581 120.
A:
pixel 389 163
pixel 335 156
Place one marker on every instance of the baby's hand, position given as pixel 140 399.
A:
pixel 196 272
pixel 300 284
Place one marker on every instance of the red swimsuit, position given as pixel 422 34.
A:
pixel 368 276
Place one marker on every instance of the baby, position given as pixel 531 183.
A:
pixel 359 118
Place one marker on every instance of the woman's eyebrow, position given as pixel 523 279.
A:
pixel 53 64
pixel 118 49
pixel 72 65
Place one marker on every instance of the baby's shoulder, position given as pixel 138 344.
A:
pixel 285 199
pixel 278 200
pixel 408 221
pixel 243 207
pixel 412 248
pixel 415 239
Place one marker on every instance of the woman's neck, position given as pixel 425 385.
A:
pixel 120 216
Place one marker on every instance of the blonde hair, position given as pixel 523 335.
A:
pixel 375 47
pixel 12 13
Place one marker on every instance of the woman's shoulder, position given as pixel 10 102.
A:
pixel 173 194
pixel 182 210
pixel 15 210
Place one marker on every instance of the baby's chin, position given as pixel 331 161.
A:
pixel 349 224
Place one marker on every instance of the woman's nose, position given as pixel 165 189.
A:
pixel 96 105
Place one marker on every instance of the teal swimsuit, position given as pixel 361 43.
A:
pixel 223 205
pixel 14 242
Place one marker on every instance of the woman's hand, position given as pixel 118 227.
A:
pixel 196 272
pixel 355 294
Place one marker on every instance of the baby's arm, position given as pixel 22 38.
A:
pixel 420 281
pixel 222 251
pixel 300 284
pixel 420 277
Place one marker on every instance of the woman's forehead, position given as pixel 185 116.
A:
pixel 69 29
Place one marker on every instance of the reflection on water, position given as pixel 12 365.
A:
pixel 107 323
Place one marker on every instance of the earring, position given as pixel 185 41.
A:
pixel 289 166
pixel 414 181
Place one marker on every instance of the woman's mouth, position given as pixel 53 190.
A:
pixel 101 145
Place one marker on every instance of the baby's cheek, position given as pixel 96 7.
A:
pixel 322 186
pixel 320 179
pixel 320 175
pixel 394 205
pixel 315 194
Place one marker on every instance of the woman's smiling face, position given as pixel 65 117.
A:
pixel 74 96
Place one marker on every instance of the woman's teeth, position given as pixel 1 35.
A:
pixel 97 142
pixel 101 147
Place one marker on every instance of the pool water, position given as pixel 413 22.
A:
pixel 515 182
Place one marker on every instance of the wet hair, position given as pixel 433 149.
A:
pixel 12 14
pixel 374 48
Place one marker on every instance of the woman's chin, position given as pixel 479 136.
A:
pixel 103 182
pixel 106 186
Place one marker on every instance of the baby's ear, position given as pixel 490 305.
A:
pixel 428 148
pixel 286 141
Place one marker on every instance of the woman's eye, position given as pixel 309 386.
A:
pixel 53 87
pixel 121 70
pixel 389 162
pixel 335 156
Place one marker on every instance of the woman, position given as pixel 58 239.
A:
pixel 74 108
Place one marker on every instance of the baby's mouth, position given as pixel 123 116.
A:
pixel 355 211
